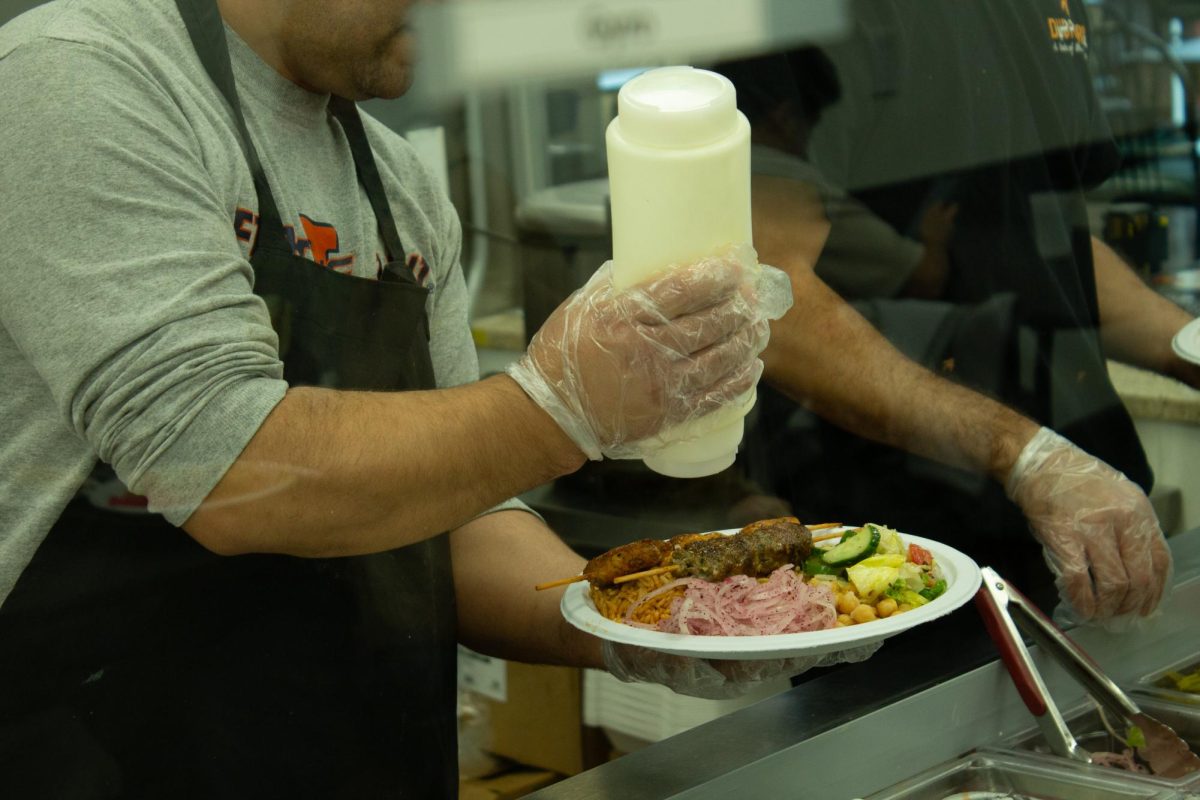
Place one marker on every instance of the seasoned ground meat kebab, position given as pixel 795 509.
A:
pixel 755 550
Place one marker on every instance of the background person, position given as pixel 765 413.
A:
pixel 783 95
pixel 1007 132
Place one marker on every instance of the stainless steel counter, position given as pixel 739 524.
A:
pixel 927 696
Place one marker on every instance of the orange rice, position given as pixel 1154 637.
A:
pixel 613 602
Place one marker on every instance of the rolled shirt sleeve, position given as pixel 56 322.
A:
pixel 126 291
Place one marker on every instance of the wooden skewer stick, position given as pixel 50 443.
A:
pixel 560 582
pixel 646 573
pixel 823 525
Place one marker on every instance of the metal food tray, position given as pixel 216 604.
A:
pixel 1022 776
pixel 1088 728
pixel 1157 684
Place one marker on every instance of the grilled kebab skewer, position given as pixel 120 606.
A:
pixel 757 549
pixel 754 543
pixel 643 554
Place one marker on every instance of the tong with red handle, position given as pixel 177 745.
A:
pixel 1166 753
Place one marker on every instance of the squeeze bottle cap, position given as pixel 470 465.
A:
pixel 677 107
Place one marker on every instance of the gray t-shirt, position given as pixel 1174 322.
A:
pixel 129 332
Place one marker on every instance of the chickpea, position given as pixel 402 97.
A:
pixel 847 602
pixel 863 613
pixel 885 607
pixel 843 620
pixel 900 609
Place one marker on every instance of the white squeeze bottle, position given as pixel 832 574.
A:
pixel 679 182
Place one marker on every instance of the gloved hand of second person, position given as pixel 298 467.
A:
pixel 716 679
pixel 1099 532
pixel 616 368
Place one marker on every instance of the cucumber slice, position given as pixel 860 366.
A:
pixel 814 565
pixel 853 548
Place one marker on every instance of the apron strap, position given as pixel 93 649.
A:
pixel 346 112
pixel 207 30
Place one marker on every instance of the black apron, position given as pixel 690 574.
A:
pixel 136 664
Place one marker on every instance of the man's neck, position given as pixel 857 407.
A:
pixel 259 23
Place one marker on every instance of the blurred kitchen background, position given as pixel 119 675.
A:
pixel 510 108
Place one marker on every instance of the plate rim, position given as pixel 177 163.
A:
pixel 1180 343
pixel 576 607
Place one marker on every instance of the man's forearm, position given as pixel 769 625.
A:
pixel 334 473
pixel 498 559
pixel 826 356
pixel 1136 323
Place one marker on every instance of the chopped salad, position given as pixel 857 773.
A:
pixel 874 573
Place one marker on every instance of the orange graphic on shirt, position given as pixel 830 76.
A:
pixel 322 241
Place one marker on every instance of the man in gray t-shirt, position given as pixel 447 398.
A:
pixel 137 331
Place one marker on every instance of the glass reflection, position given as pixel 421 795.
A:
pixel 1003 192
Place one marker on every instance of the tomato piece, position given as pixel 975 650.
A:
pixel 919 555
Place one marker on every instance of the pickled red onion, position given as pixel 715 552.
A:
pixel 742 606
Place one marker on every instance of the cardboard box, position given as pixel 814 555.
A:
pixel 540 722
pixel 528 714
pixel 507 786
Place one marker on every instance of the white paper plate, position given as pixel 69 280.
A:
pixel 960 572
pixel 1186 343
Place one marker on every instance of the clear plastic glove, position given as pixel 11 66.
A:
pixel 716 679
pixel 614 369
pixel 1100 535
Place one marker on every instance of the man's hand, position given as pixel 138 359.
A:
pixel 1099 532
pixel 716 679
pixel 937 224
pixel 616 368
